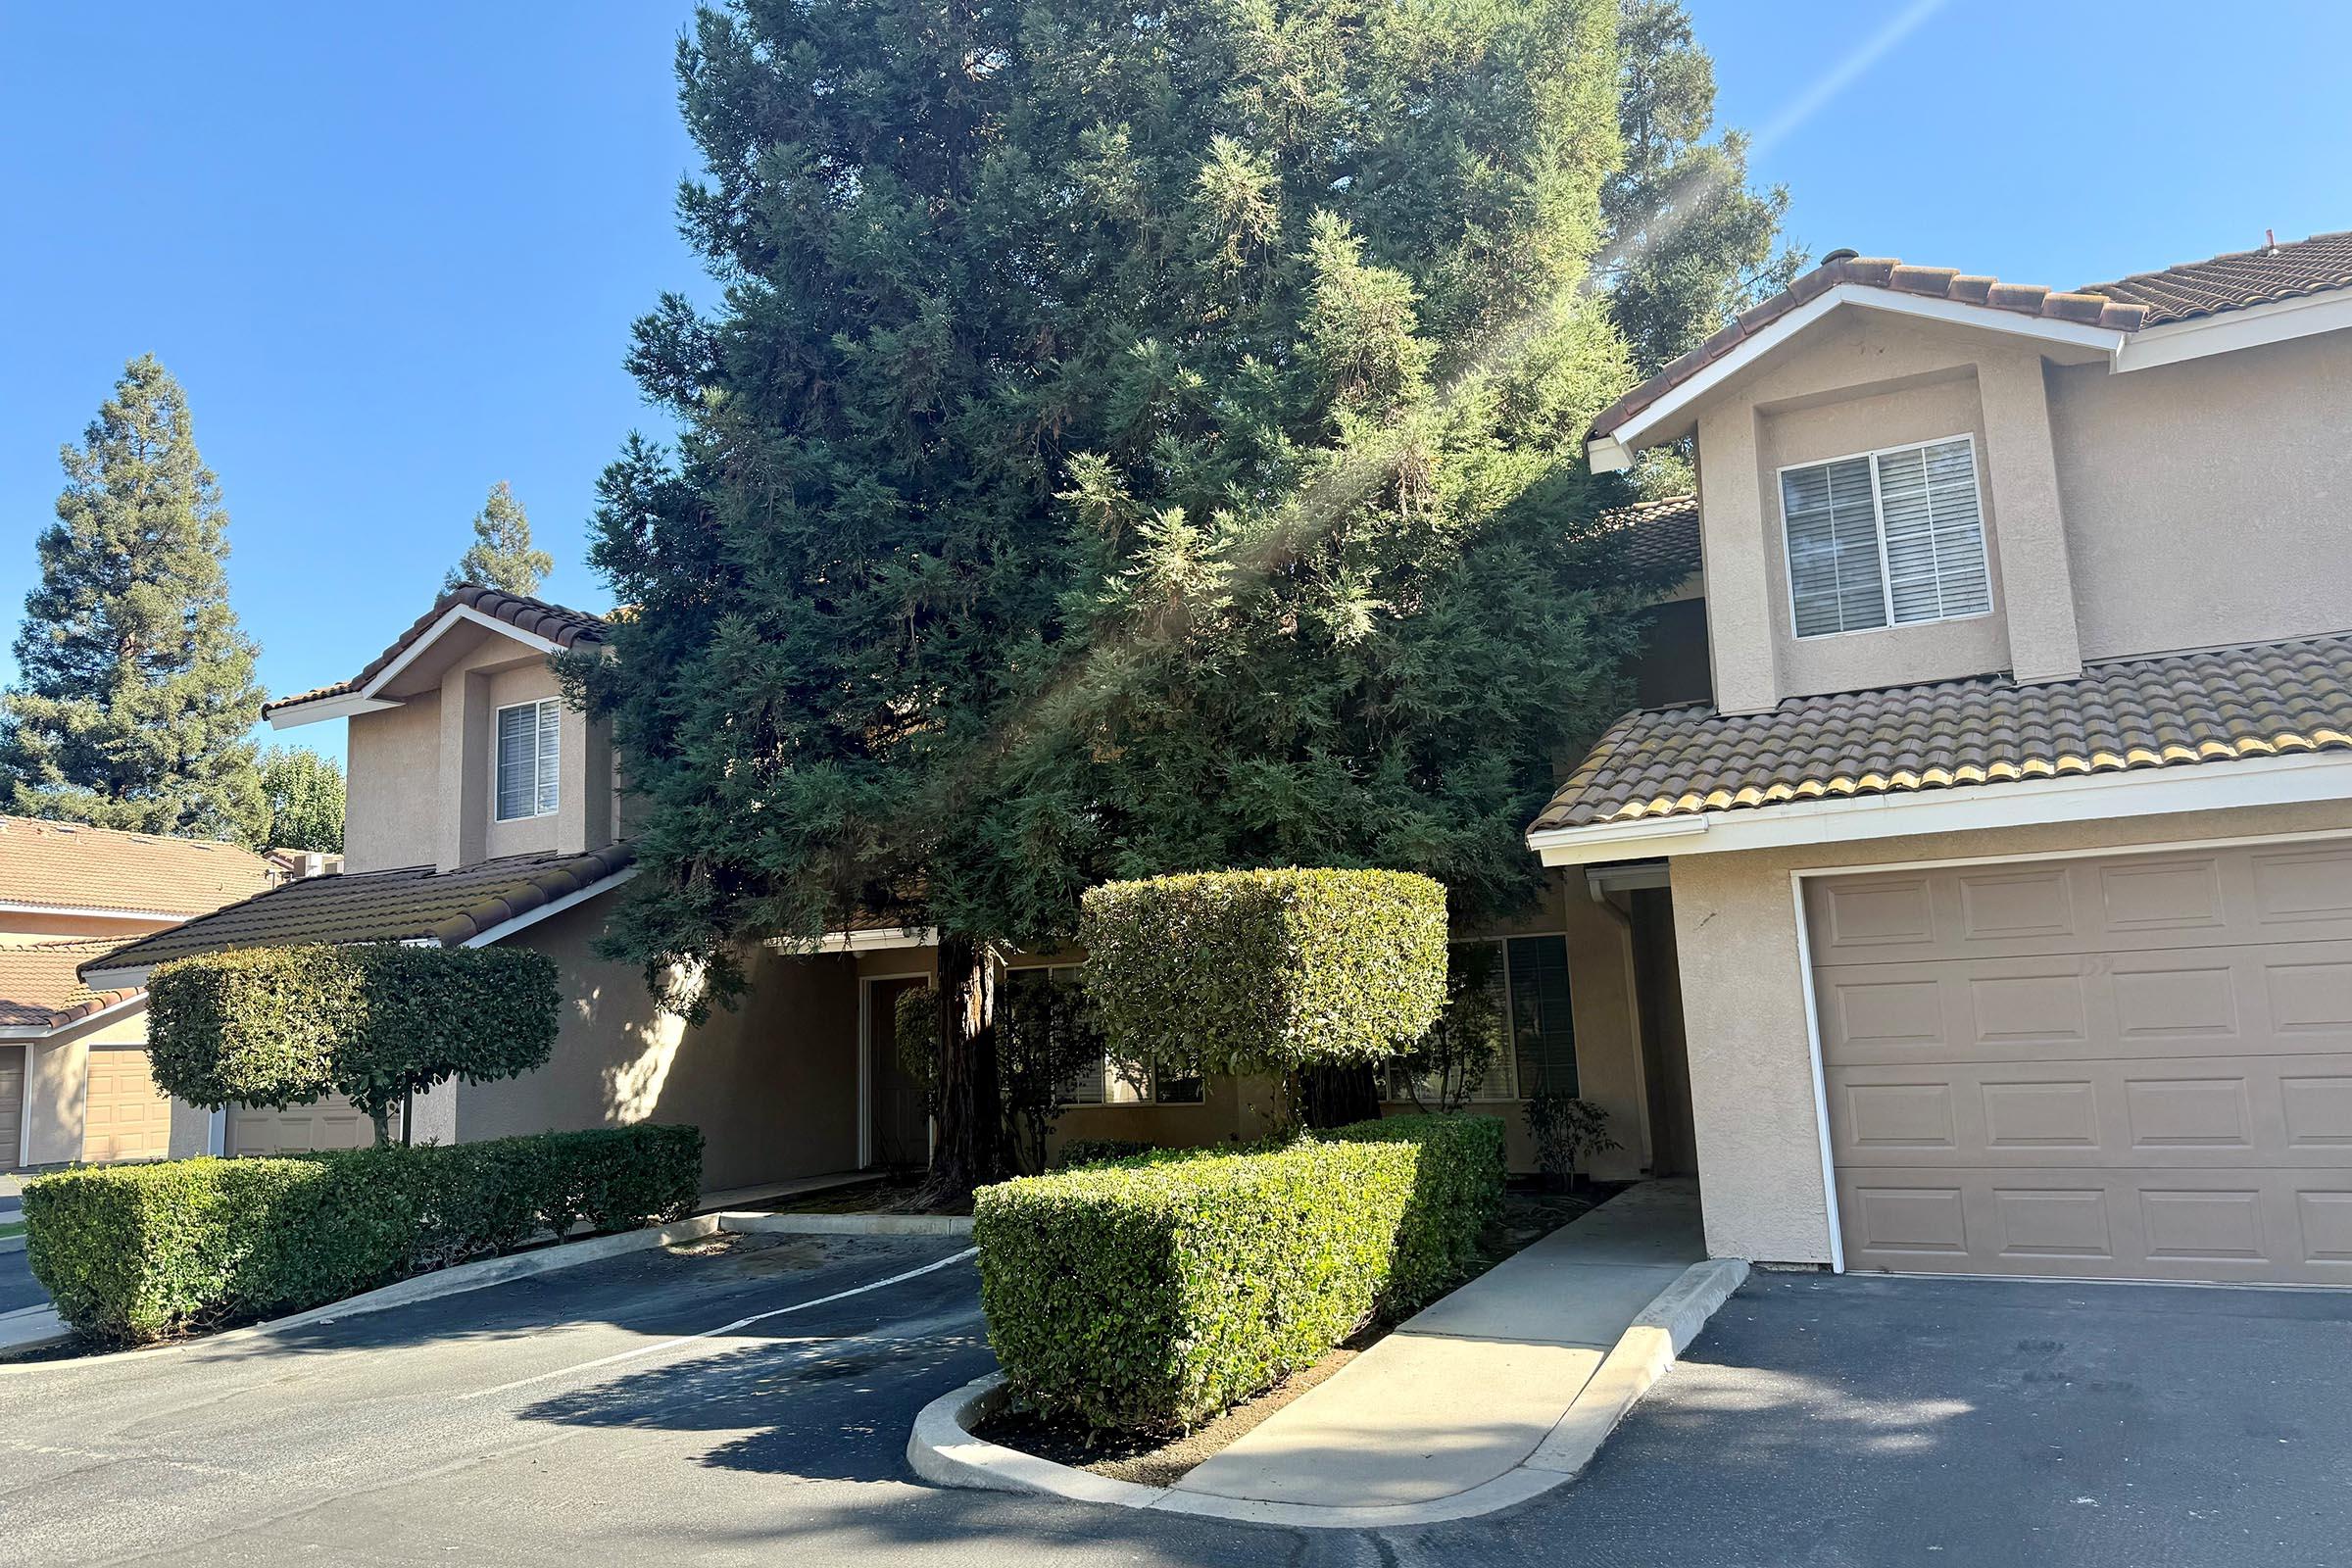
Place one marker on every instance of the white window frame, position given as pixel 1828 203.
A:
pixel 1878 518
pixel 498 723
pixel 1506 1066
pixel 1109 1069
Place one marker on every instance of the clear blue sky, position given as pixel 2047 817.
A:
pixel 393 252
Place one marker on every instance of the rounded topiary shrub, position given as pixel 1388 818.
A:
pixel 1265 972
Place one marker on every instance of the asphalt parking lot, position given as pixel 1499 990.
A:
pixel 749 1401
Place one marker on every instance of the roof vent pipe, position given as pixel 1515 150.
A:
pixel 1841 254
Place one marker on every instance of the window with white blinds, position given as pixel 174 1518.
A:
pixel 527 759
pixel 1886 538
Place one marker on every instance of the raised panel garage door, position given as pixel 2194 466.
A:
pixel 332 1122
pixel 2131 1066
pixel 124 1116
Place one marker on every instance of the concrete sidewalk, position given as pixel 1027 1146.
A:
pixel 1467 1390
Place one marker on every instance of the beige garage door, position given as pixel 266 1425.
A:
pixel 124 1116
pixel 331 1123
pixel 12 1104
pixel 2134 1067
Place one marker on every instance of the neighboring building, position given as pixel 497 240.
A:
pixel 2009 857
pixel 482 808
pixel 74 1080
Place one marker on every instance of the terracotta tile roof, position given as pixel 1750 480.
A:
pixel 66 865
pixel 2177 710
pixel 40 987
pixel 1664 537
pixel 2240 280
pixel 566 628
pixel 415 903
pixel 2147 299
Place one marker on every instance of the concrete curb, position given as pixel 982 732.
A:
pixel 768 1224
pixel 455 1280
pixel 11 1244
pixel 942 1448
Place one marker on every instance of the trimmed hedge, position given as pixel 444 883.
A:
pixel 283 1026
pixel 1265 972
pixel 134 1253
pixel 1148 1294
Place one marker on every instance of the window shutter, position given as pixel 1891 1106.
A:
pixel 1542 1029
pixel 518 736
pixel 1833 534
pixel 548 758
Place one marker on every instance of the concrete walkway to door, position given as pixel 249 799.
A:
pixel 1476 1390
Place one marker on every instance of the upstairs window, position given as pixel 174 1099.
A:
pixel 527 754
pixel 1888 538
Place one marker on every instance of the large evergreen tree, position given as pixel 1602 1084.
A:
pixel 501 554
pixel 1691 244
pixel 1132 440
pixel 137 689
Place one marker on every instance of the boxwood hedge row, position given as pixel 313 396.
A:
pixel 1150 1295
pixel 134 1253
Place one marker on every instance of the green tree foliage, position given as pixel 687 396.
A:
pixel 1691 245
pixel 501 554
pixel 1131 441
pixel 135 686
pixel 305 792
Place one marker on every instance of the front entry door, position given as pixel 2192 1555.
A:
pixel 902 1124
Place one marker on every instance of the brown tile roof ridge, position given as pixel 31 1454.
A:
pixel 2246 700
pixel 395 904
pixel 565 627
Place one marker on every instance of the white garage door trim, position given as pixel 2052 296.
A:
pixel 1804 958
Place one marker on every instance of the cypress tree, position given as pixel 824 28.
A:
pixel 135 688
pixel 1131 440
pixel 501 554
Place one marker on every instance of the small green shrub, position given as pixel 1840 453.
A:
pixel 1567 1131
pixel 1149 1293
pixel 375 1023
pixel 132 1253
pixel 1097 1151
pixel 1264 972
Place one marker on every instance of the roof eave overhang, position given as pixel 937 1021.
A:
pixel 368 697
pixel 79 1020
pixel 317 709
pixel 1609 451
pixel 2290 780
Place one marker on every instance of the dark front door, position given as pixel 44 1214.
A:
pixel 902 1125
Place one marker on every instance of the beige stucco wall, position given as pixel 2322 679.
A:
pixel 529 835
pixel 1743 1001
pixel 1865 380
pixel 2238 458
pixel 773 1083
pixel 392 801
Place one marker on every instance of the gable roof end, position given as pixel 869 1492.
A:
pixel 533 617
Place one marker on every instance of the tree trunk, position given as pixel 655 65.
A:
pixel 970 1148
pixel 1334 1097
pixel 382 1115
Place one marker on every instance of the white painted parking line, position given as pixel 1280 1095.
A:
pixel 739 1324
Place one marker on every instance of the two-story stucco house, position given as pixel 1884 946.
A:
pixel 482 808
pixel 2009 855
